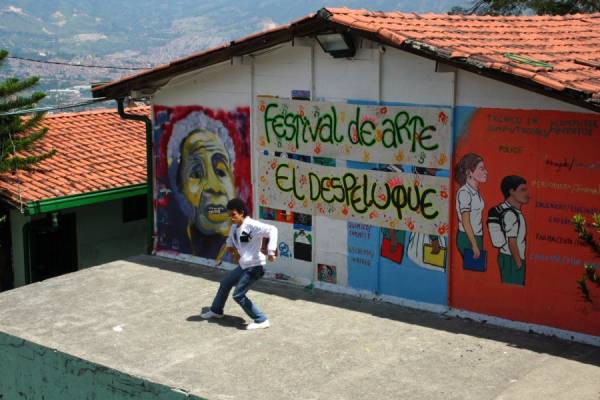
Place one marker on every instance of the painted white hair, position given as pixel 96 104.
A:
pixel 196 120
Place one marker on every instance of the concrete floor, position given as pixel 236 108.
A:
pixel 141 317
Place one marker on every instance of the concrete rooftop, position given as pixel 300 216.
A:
pixel 141 317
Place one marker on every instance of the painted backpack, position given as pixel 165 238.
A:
pixel 495 223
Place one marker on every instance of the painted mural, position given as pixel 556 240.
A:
pixel 377 134
pixel 372 182
pixel 519 177
pixel 400 262
pixel 202 160
pixel 394 200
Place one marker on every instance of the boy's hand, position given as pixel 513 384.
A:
pixel 234 254
pixel 435 247
pixel 272 258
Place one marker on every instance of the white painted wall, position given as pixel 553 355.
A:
pixel 408 78
pixel 341 79
pixel 373 75
pixel 225 86
pixel 477 90
pixel 278 71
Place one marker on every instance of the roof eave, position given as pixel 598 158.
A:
pixel 257 42
pixel 84 199
pixel 320 22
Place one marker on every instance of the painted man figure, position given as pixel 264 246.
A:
pixel 205 180
pixel 511 258
pixel 245 238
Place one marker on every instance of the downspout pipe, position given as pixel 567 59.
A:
pixel 149 171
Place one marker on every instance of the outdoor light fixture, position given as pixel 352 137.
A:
pixel 54 220
pixel 338 45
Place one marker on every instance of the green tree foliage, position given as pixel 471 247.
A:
pixel 539 7
pixel 587 236
pixel 19 134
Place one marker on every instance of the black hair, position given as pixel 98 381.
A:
pixel 511 182
pixel 238 205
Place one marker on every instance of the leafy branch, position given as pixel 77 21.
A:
pixel 587 236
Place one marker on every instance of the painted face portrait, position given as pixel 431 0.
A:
pixel 480 174
pixel 206 181
pixel 521 194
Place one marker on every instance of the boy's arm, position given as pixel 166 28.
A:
pixel 225 249
pixel 514 251
pixel 229 241
pixel 230 247
pixel 511 226
pixel 270 231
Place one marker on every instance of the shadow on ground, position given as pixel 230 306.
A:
pixel 462 326
pixel 229 321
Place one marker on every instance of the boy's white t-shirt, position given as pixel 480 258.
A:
pixel 514 226
pixel 250 254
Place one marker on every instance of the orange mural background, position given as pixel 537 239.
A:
pixel 558 153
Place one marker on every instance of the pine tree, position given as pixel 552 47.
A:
pixel 18 133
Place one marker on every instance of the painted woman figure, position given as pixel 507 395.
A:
pixel 470 172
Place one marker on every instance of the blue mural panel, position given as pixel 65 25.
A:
pixel 399 263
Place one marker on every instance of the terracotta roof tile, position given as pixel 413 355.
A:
pixel 481 41
pixel 96 150
pixel 556 40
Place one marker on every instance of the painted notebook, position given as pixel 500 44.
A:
pixel 474 264
pixel 394 254
pixel 436 260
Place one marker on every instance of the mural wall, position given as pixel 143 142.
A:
pixel 519 178
pixel 202 160
pixel 367 184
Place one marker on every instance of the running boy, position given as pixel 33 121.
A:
pixel 245 237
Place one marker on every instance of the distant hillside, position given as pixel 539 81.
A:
pixel 142 32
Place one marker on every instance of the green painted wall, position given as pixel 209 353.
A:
pixel 102 236
pixel 31 371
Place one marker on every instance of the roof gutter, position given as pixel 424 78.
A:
pixel 83 199
pixel 149 170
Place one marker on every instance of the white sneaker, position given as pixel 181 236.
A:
pixel 209 314
pixel 258 325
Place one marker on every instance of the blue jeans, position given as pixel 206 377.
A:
pixel 242 279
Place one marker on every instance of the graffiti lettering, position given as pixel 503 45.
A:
pixel 412 128
pixel 418 135
pixel 358 192
pixel 293 127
